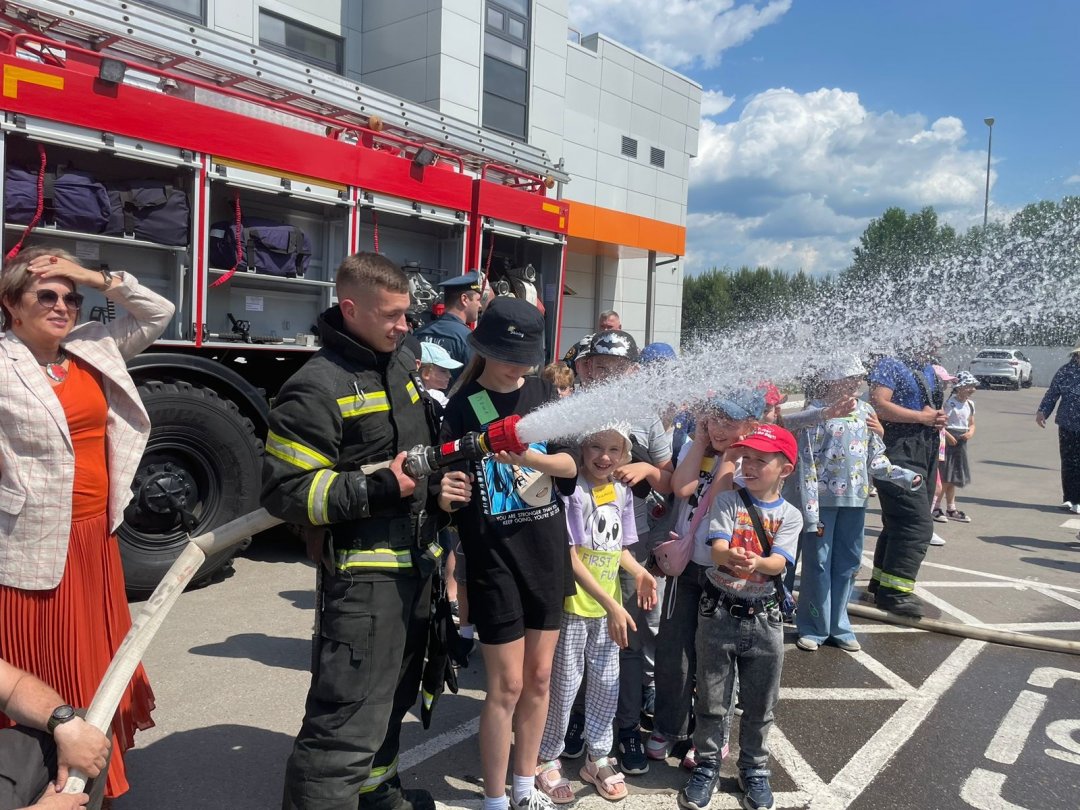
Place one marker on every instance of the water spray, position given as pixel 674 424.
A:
pixel 501 435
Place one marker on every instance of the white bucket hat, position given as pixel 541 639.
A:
pixel 843 367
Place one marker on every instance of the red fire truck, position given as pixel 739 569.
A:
pixel 117 96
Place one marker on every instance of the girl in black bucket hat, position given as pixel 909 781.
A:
pixel 513 533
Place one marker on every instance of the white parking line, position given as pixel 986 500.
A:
pixel 883 672
pixel 849 693
pixel 436 745
pixel 806 778
pixel 1015 728
pixel 1059 597
pixel 868 761
pixel 943 567
pixel 946 607
pixel 982 790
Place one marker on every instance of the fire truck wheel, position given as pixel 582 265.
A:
pixel 201 468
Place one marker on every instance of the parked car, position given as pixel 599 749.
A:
pixel 1001 367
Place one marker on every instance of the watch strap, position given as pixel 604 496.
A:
pixel 60 715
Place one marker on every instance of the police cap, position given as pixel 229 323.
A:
pixel 459 284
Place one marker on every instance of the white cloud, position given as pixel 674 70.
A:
pixel 1074 179
pixel 795 180
pixel 714 102
pixel 679 33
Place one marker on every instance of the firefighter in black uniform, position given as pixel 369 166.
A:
pixel 334 454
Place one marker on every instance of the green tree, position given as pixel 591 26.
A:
pixel 898 243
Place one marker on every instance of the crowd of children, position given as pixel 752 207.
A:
pixel 577 619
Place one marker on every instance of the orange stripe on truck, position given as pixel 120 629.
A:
pixel 620 228
pixel 13 75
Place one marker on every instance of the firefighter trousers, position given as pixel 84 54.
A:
pixel 367 659
pixel 905 516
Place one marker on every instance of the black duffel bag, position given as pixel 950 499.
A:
pixel 20 195
pixel 80 203
pixel 268 247
pixel 150 210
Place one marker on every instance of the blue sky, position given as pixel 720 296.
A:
pixel 819 114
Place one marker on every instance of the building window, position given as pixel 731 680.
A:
pixel 506 67
pixel 629 147
pixel 194 10
pixel 656 157
pixel 300 41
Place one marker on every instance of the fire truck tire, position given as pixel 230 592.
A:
pixel 203 465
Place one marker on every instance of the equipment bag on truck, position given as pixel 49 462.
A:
pixel 150 210
pixel 80 203
pixel 269 247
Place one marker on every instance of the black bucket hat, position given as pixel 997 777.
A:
pixel 510 331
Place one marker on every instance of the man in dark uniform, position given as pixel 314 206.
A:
pixel 334 456
pixel 905 393
pixel 48 740
pixel 451 330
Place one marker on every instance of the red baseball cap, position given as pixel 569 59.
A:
pixel 772 439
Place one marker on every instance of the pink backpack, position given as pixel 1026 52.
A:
pixel 674 553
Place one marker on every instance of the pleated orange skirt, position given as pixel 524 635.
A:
pixel 67 636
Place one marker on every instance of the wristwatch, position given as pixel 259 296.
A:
pixel 105 274
pixel 61 714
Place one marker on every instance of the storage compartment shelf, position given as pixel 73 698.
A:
pixel 275 347
pixel 264 281
pixel 45 230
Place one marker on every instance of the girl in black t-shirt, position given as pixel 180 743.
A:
pixel 514 536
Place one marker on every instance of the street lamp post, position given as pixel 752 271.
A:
pixel 989 142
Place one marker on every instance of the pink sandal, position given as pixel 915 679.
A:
pixel 605 776
pixel 558 789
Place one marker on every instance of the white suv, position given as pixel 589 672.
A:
pixel 1002 366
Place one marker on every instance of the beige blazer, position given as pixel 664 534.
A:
pixel 37 461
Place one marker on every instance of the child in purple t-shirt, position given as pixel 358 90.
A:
pixel 601 526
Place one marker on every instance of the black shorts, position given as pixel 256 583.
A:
pixel 504 602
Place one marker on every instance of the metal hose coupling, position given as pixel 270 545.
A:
pixel 500 435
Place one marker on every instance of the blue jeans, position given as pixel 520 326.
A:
pixel 829 565
pixel 751 648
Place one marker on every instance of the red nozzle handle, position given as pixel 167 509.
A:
pixel 502 435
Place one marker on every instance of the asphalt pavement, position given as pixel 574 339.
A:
pixel 914 720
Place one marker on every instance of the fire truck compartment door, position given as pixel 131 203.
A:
pixel 257 179
pixel 38 129
pixel 523 232
pixel 411 208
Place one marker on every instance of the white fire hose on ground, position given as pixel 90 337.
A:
pixel 1009 637
pixel 148 622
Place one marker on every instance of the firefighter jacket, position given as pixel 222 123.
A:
pixel 334 427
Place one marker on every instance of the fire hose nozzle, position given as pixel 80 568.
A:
pixel 422 461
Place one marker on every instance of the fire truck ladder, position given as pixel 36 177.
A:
pixel 132 33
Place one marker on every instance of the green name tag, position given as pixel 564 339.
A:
pixel 483 408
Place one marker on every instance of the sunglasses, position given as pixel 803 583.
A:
pixel 48 299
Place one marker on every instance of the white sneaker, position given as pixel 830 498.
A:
pixel 937 540
pixel 1076 508
pixel 1066 505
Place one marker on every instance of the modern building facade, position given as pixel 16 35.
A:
pixel 624 126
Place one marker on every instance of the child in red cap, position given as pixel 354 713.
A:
pixel 740 626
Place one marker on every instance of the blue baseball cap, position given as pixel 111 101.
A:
pixel 435 355
pixel 658 353
pixel 744 403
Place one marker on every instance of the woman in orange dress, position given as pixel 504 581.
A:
pixel 72 431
